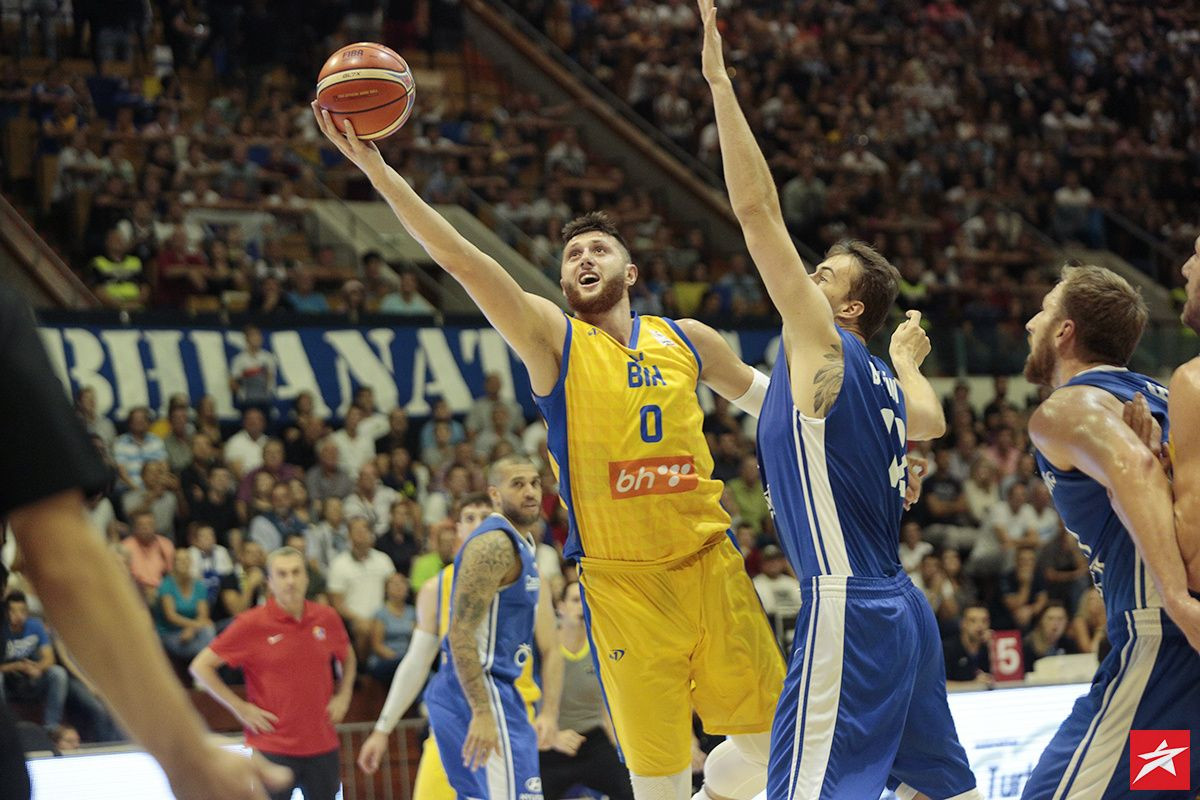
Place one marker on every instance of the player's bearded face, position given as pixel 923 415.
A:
pixel 1039 366
pixel 595 298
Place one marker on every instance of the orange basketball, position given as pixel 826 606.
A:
pixel 370 85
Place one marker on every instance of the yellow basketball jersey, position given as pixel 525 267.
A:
pixel 526 686
pixel 625 435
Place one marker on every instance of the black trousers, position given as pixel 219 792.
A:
pixel 596 766
pixel 317 777
pixel 14 779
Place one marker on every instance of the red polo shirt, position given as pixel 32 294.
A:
pixel 288 672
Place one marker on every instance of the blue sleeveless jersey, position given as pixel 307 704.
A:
pixel 1083 504
pixel 506 635
pixel 836 485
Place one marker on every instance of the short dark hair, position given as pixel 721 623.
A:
pixel 371 255
pixel 598 221
pixel 1109 314
pixel 472 499
pixel 16 596
pixel 877 284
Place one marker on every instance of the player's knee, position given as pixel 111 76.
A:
pixel 736 769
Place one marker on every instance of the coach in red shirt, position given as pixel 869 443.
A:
pixel 285 649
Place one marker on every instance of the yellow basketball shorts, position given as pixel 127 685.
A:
pixel 670 639
pixel 432 783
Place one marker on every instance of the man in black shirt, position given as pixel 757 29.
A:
pixel 968 665
pixel 46 464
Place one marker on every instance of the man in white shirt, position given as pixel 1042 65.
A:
pixel 253 372
pixel 371 500
pixel 355 446
pixel 357 578
pixel 138 447
pixel 244 450
pixel 778 591
pixel 1044 513
pixel 480 415
pixel 1009 525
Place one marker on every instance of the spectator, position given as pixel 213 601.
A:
pixel 151 555
pixel 441 545
pixel 406 299
pixel 1049 637
pixel 1043 508
pixel 28 671
pixel 778 590
pixel 1075 216
pixel 943 510
pixel 137 447
pixel 441 413
pixel 157 497
pixel 272 465
pixel 327 479
pixel 480 414
pixel 402 474
pixel 497 432
pixel 328 537
pixel 178 442
pixel 246 586
pixel 218 507
pixel 316 581
pixel 749 502
pixel 271 528
pixel 96 424
pixel 210 561
pixel 356 580
pixel 304 297
pixel 1008 525
pixel 371 500
pixel 399 542
pixel 968 665
pixel 244 450
pixel 253 372
pixel 938 590
pixel 355 447
pixel 1087 629
pixel 912 547
pixel 1023 590
pixel 66 738
pixel 1063 568
pixel 180 271
pixel 183 616
pixel 117 276
pixel 567 154
pixel 961 584
pixel 391 630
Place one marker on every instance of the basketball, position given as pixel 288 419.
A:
pixel 370 85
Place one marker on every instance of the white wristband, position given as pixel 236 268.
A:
pixel 752 399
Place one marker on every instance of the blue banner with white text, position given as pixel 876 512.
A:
pixel 131 366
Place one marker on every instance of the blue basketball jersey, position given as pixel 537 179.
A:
pixel 1083 504
pixel 506 635
pixel 836 485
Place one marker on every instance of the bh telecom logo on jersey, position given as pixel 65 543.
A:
pixel 661 475
pixel 1160 760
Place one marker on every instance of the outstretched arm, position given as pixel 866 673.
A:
pixel 533 326
pixel 1082 428
pixel 722 371
pixel 486 561
pixel 545 633
pixel 805 311
pixel 908 349
pixel 1184 413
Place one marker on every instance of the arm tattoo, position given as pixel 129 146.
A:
pixel 485 563
pixel 827 382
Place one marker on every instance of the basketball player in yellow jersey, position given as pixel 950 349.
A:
pixel 433 621
pixel 674 620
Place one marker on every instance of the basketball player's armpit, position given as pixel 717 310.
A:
pixel 827 381
pixel 485 563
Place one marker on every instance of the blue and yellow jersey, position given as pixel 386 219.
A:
pixel 526 685
pixel 625 436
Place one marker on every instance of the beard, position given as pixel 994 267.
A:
pixel 611 292
pixel 1039 367
pixel 519 515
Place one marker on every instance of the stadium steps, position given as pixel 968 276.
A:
pixel 363 226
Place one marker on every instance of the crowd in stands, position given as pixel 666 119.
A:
pixel 939 128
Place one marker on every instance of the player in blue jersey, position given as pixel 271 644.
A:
pixel 488 745
pixel 864 703
pixel 1113 496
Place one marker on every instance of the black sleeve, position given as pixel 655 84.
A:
pixel 46 449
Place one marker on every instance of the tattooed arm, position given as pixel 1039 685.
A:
pixel 810 337
pixel 488 562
